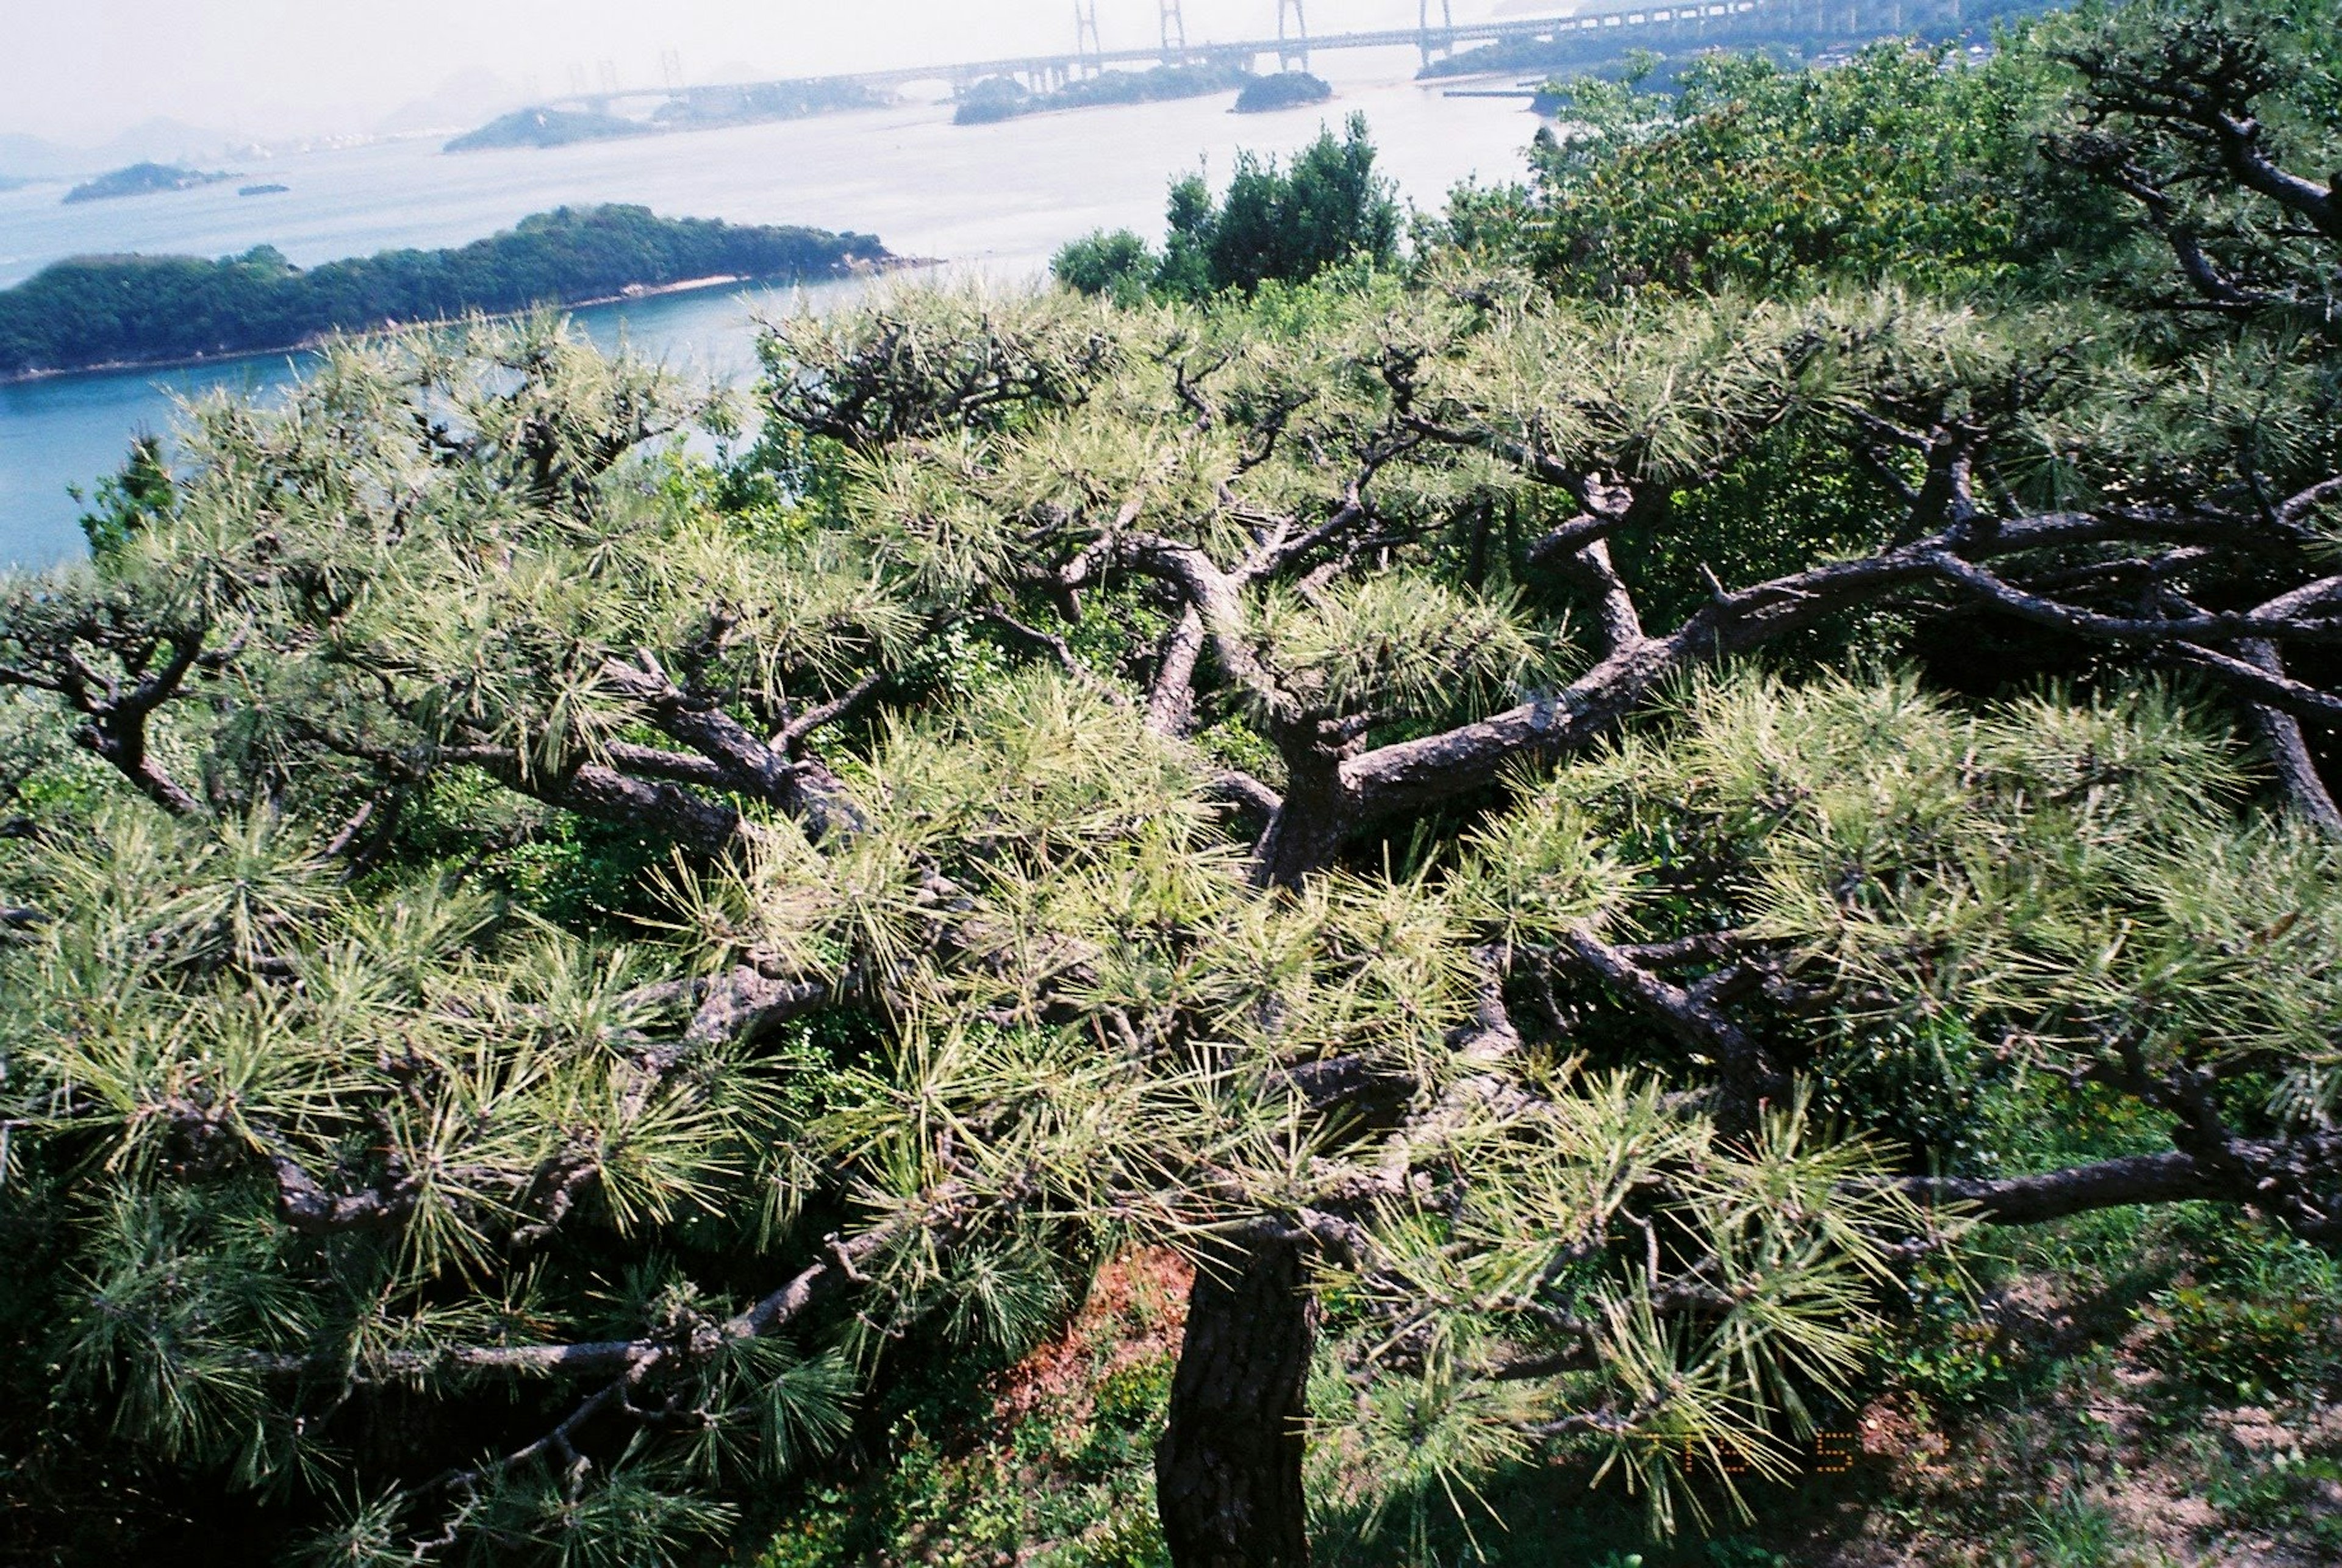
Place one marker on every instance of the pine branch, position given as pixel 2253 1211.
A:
pixel 1748 1079
pixel 2138 1179
pixel 2289 749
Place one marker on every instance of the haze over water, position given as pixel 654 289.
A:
pixel 1001 197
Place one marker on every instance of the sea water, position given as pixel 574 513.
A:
pixel 999 197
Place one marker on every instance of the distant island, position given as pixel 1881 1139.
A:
pixel 547 128
pixel 1006 98
pixel 1286 90
pixel 704 108
pixel 95 312
pixel 140 180
pixel 261 190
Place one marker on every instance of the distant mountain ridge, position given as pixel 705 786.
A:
pixel 155 141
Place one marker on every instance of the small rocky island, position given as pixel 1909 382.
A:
pixel 141 180
pixel 96 312
pixel 1286 90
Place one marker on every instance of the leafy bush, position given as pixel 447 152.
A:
pixel 1272 226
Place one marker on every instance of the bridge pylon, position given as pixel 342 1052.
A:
pixel 1086 48
pixel 1292 49
pixel 1174 33
pixel 1445 42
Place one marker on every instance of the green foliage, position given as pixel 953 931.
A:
pixel 1287 225
pixel 2291 1491
pixel 1118 266
pixel 130 498
pixel 2257 1320
pixel 1044 1457
pixel 1897 165
pixel 2156 76
pixel 1273 225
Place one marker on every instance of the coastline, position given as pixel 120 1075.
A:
pixel 631 293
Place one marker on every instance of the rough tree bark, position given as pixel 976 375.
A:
pixel 1227 1471
pixel 2288 748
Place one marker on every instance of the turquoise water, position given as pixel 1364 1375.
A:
pixel 998 197
pixel 66 431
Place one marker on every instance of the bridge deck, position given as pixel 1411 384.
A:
pixel 1505 29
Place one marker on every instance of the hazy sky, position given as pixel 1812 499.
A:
pixel 83 69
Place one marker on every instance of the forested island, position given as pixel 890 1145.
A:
pixel 143 179
pixel 1285 90
pixel 1006 98
pixel 95 310
pixel 1643 873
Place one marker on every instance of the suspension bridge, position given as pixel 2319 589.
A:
pixel 1436 35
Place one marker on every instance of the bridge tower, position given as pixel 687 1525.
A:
pixel 1445 43
pixel 1174 33
pixel 1086 48
pixel 1292 49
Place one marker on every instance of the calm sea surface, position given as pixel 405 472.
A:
pixel 1000 197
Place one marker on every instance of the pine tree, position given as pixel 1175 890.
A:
pixel 1294 781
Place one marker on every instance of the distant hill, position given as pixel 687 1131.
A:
pixel 141 180
pixel 95 310
pixel 547 128
pixel 162 140
pixel 153 141
pixel 32 158
pixel 467 98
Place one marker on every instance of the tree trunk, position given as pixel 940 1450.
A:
pixel 1228 1472
pixel 2288 748
pixel 1307 831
